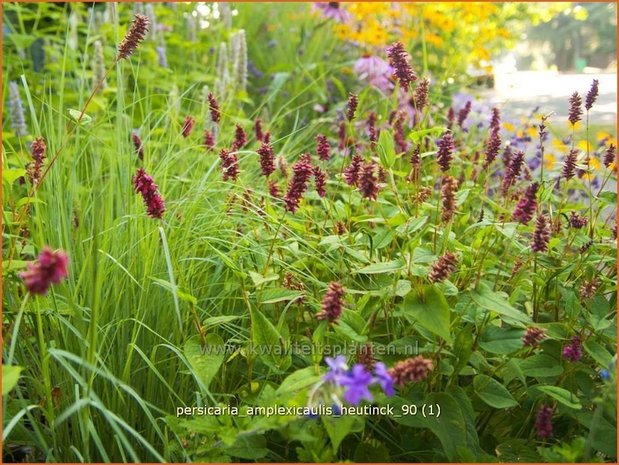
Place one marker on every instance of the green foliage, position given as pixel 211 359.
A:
pixel 214 306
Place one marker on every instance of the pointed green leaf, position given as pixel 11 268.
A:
pixel 429 309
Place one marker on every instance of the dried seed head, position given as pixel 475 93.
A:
pixel 443 267
pixel 332 303
pixel 411 370
pixel 533 336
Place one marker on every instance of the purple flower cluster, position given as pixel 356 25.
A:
pixel 357 380
pixel 34 168
pixel 213 106
pixel 323 149
pixel 267 158
pixel 445 150
pixel 525 209
pixel 240 138
pixel 609 156
pixel 320 180
pixel 209 140
pixel 514 168
pixel 332 303
pixel 464 113
pixel 351 173
pixel 49 268
pixel 368 182
pixel 258 130
pixel 541 236
pixel 398 133
pixel 229 165
pixel 543 421
pixel 569 164
pixel 449 188
pixel 577 221
pixel 493 143
pixel 575 113
pixel 146 187
pixel 573 350
pixel 592 95
pixel 302 172
pixel 372 131
pixel 398 59
pixel 138 145
pixel 134 36
pixel 188 126
pixel 351 107
pixel 420 97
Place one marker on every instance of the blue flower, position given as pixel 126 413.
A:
pixel 338 369
pixel 383 378
pixel 357 383
pixel 604 374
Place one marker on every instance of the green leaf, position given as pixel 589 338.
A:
pixel 496 302
pixel 540 365
pixel 429 309
pixel 274 295
pixel 259 279
pixel 498 340
pixel 384 267
pixel 268 342
pixel 75 114
pixel 417 136
pixel 340 427
pixel 402 287
pixel 10 377
pixel 28 200
pixel 248 447
pixel 517 451
pixel 184 296
pixel 372 452
pixel 561 395
pixel 11 175
pixel 219 320
pixel 450 426
pixel 493 393
pixel 412 225
pixel 299 380
pixel 205 360
pixel 386 149
pixel 598 352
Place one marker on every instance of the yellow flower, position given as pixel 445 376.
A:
pixel 559 145
pixel 532 131
pixel 433 39
pixel 508 126
pixel 584 145
pixel 576 125
pixel 549 161
pixel 594 163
